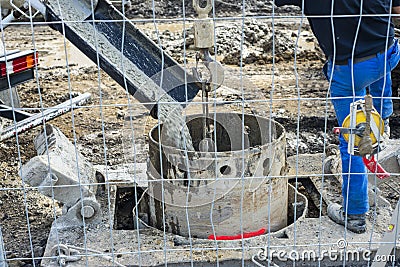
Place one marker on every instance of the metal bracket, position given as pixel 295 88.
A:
pixel 202 11
pixel 204 40
pixel 87 209
pixel 62 173
pixel 389 240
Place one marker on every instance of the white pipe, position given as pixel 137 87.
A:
pixel 38 5
pixel 7 21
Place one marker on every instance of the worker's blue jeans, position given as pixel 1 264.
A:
pixel 349 83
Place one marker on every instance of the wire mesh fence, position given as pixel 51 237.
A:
pixel 2 251
pixel 198 133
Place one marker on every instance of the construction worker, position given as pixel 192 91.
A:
pixel 361 51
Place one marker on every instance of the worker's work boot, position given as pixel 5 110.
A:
pixel 355 223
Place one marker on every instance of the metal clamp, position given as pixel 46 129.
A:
pixel 204 40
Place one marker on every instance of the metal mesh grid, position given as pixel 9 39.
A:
pixel 265 76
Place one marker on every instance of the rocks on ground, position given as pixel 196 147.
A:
pixel 251 42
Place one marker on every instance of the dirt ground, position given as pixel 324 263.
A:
pixel 296 89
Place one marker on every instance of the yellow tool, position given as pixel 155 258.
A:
pixel 363 130
pixel 361 124
pixel 362 133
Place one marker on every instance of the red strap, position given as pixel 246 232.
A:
pixel 374 167
pixel 239 236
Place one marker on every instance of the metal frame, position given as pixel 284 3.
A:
pixel 28 121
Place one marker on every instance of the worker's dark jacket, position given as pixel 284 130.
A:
pixel 369 31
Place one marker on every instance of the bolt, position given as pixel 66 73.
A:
pixel 62 262
pixel 87 212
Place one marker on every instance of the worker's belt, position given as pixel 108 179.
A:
pixel 362 59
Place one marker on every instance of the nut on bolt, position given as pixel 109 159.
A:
pixel 87 212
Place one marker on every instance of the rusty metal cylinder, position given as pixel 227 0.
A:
pixel 239 187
